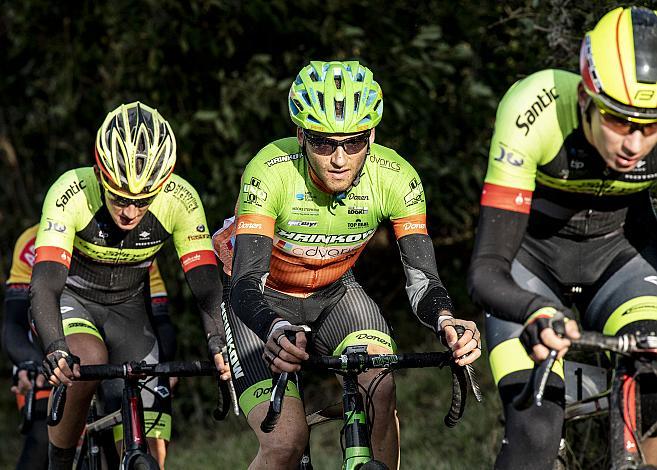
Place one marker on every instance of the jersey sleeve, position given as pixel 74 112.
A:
pixel 182 211
pixel 259 202
pixel 64 213
pixel 527 134
pixel 23 257
pixel 405 205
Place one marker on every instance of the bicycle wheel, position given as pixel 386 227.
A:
pixel 374 465
pixel 143 462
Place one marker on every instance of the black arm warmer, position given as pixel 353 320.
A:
pixel 16 326
pixel 425 290
pixel 46 287
pixel 250 267
pixel 206 287
pixel 164 328
pixel 490 284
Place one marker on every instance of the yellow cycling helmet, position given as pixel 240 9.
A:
pixel 618 63
pixel 135 151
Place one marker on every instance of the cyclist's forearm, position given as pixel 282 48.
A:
pixel 424 288
pixel 46 287
pixel 206 286
pixel 250 268
pixel 490 284
pixel 15 328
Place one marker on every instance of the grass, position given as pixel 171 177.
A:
pixel 423 399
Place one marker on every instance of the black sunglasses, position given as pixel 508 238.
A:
pixel 324 146
pixel 120 201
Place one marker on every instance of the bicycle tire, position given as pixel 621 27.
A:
pixel 143 462
pixel 374 465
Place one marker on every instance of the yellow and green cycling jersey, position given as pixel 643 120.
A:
pixel 107 264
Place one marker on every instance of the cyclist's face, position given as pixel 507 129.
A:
pixel 335 165
pixel 125 216
pixel 621 150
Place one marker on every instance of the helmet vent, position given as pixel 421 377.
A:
pixel 313 76
pixel 644 29
pixel 339 110
pixel 356 100
pixel 320 97
pixel 338 81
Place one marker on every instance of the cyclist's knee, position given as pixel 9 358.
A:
pixel 383 394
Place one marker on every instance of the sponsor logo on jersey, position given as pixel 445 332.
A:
pixel 144 235
pixel 302 223
pixel 414 226
pixel 73 189
pixel 28 254
pixel 200 228
pixel 283 158
pixel 184 195
pixel 508 157
pixel 383 163
pixel 249 225
pixel 357 224
pixel 357 210
pixel 253 193
pixel 198 237
pixel 543 101
pixel 416 193
pixel 317 252
pixel 53 225
pixel 358 197
pixel 576 164
pixel 333 239
pixel 305 210
pixel 306 196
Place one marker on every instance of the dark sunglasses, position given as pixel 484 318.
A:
pixel 325 147
pixel 120 201
pixel 622 126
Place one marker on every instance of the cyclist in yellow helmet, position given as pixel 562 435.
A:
pixel 566 223
pixel 100 230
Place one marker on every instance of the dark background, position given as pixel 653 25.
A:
pixel 219 72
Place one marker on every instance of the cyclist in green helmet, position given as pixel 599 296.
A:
pixel 308 206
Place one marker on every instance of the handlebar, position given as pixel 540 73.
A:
pixel 626 345
pixel 359 362
pixel 138 370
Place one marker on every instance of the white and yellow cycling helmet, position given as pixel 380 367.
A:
pixel 618 63
pixel 135 151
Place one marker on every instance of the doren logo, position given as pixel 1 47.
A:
pixel 249 225
pixel 414 226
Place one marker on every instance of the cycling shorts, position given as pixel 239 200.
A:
pixel 340 315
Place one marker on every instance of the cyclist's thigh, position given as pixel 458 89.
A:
pixel 354 320
pixel 130 336
pixel 81 320
pixel 506 353
pixel 251 375
pixel 628 296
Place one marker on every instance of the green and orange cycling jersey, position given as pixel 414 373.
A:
pixel 317 236
pixel 547 193
pixel 108 265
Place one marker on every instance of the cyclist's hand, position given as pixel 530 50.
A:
pixel 23 383
pixel 61 367
pixel 222 367
pixel 467 348
pixel 173 381
pixel 548 329
pixel 280 353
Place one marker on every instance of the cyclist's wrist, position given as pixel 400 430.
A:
pixel 57 345
pixel 441 318
pixel 277 324
pixel 543 312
